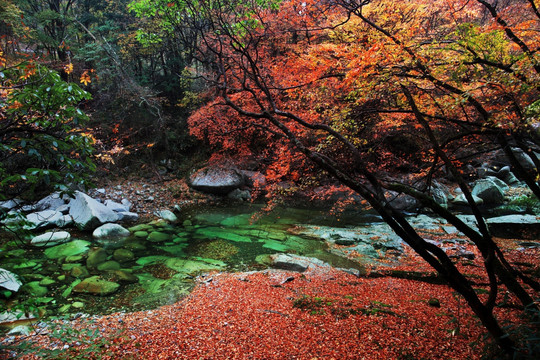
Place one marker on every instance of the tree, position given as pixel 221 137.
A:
pixel 43 145
pixel 329 79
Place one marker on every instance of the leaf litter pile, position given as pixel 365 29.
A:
pixel 321 314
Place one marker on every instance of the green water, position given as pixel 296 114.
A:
pixel 158 263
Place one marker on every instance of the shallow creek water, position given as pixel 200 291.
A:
pixel 158 263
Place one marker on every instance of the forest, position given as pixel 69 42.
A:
pixel 269 179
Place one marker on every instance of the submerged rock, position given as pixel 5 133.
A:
pixel 96 257
pixel 71 248
pixel 96 286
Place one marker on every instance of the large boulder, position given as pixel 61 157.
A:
pixel 515 226
pixel 44 219
pixel 88 213
pixel 489 191
pixel 216 180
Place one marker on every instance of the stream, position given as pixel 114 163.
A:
pixel 157 264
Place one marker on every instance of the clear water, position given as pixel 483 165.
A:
pixel 235 238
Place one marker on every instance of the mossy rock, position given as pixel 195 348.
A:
pixel 140 227
pixel 35 289
pixel 95 285
pixel 123 255
pixel 109 265
pixel 141 234
pixel 71 248
pixel 96 256
pixel 156 236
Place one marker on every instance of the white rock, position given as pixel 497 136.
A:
pixel 51 238
pixel 166 215
pixel 110 231
pixel 9 280
pixel 114 206
pixel 88 213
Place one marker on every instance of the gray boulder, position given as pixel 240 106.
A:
pixel 110 231
pixel 50 202
pixel 216 180
pixel 515 226
pixel 294 262
pixel 489 191
pixel 88 213
pixel 44 219
pixel 51 238
pixel 9 280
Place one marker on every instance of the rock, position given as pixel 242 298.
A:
pixel 96 286
pixel 240 195
pixel 402 202
pixel 166 215
pixel 50 202
pixel 21 330
pixel 294 262
pixel 123 276
pixel 127 204
pixel 127 216
pixel 216 180
pixel 114 206
pixel 96 256
pixel 440 193
pixel 506 175
pixel 501 184
pixel 465 254
pixel 71 248
pixel 187 223
pixel 79 271
pixel 123 255
pixel 110 231
pixel 488 191
pixel 51 239
pixel 515 226
pixel 156 236
pixel 47 281
pixel 33 288
pixel 10 204
pixel 460 200
pixel 78 305
pixel 141 234
pixel 109 265
pixel 9 280
pixel 88 213
pixel 43 219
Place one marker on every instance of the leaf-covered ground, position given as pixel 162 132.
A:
pixel 321 314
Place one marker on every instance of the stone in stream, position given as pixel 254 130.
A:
pixel 123 255
pixel 156 236
pixel 96 256
pixel 166 215
pixel 71 248
pixel 95 285
pixel 109 265
pixel 51 238
pixel 110 231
